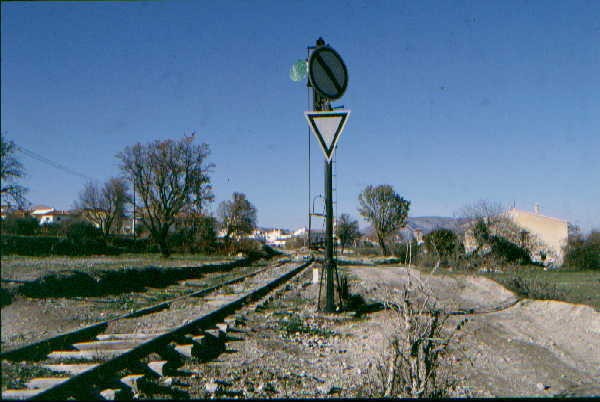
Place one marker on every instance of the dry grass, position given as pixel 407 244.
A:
pixel 560 284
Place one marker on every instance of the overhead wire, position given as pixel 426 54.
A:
pixel 47 161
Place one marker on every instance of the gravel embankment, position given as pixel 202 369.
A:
pixel 533 348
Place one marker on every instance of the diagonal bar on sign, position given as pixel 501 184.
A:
pixel 328 72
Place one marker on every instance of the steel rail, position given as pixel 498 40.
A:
pixel 40 349
pixel 79 385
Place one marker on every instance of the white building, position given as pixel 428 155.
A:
pixel 46 215
pixel 277 237
pixel 543 236
pixel 272 237
pixel 552 233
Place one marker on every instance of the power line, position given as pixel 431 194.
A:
pixel 47 161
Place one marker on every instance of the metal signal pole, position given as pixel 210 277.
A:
pixel 329 262
pixel 321 103
pixel 328 77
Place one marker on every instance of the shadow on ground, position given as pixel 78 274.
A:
pixel 101 283
pixel 359 305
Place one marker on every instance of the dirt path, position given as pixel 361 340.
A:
pixel 529 348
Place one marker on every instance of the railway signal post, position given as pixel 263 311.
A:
pixel 328 78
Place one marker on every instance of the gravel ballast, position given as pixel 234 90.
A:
pixel 527 348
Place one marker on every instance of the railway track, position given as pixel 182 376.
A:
pixel 43 347
pixel 115 358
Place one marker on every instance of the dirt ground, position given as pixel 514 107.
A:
pixel 528 348
pixel 507 348
pixel 285 349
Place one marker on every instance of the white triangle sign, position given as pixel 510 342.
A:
pixel 327 127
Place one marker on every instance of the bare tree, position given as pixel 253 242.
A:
pixel 486 218
pixel 11 169
pixel 238 216
pixel 386 210
pixel 486 210
pixel 104 206
pixel 489 219
pixel 347 230
pixel 169 176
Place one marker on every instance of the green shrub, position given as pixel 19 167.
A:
pixel 83 238
pixel 251 248
pixel 583 253
pixel 295 243
pixel 401 251
pixel 198 236
pixel 296 325
pixel 442 242
pixel 48 245
pixel 481 232
pixel 206 234
pixel 27 245
pixel 425 259
pixel 509 252
pixel 53 229
pixel 25 226
pixel 534 288
pixel 5 297
pixel 71 247
pixel 81 231
pixel 63 246
pixel 181 241
pixel 368 250
pixel 130 245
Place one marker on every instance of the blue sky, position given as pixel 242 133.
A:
pixel 451 101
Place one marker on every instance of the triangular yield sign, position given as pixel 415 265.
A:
pixel 327 127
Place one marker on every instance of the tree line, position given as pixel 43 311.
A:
pixel 496 239
pixel 172 185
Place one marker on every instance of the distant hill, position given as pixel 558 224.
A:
pixel 427 224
